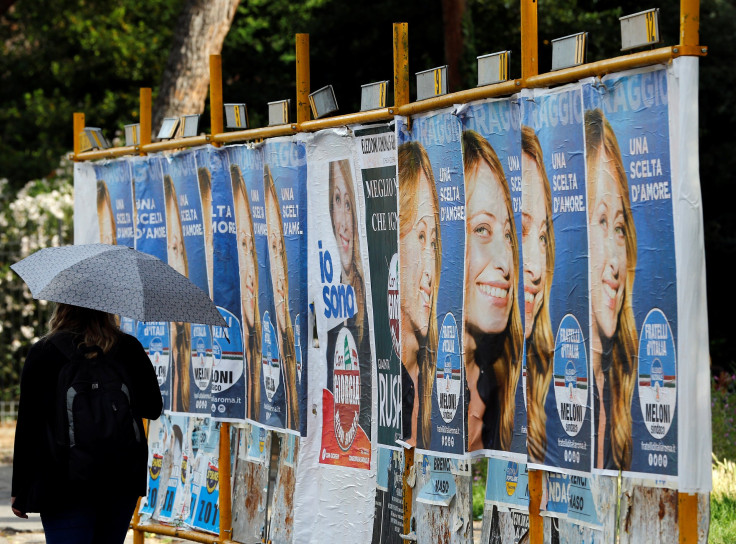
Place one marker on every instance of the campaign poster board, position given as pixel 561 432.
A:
pixel 156 447
pixel 155 336
pixel 338 240
pixel 189 235
pixel 176 459
pixel 246 172
pixel 632 262
pixel 555 252
pixel 204 490
pixel 284 320
pixel 494 280
pixel 228 381
pixel 431 272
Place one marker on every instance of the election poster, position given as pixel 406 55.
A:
pixel 189 227
pixel 204 476
pixel 246 172
pixel 377 191
pixel 507 484
pixel 284 319
pixel 228 379
pixel 495 363
pixel 388 523
pixel 175 461
pixel 338 240
pixel 555 254
pixel 157 337
pixel 115 209
pixel 633 276
pixel 431 273
pixel 157 437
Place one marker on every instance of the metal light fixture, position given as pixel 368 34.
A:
pixel 168 128
pixel 569 51
pixel 373 95
pixel 323 102
pixel 431 82
pixel 640 29
pixel 236 116
pixel 493 68
pixel 133 134
pixel 278 112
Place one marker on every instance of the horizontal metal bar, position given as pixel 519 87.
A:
pixel 177 143
pixel 167 530
pixel 255 133
pixel 460 97
pixel 601 67
pixel 383 114
pixel 109 153
pixel 568 75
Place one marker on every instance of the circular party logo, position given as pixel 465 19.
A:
pixel 448 369
pixel 394 302
pixel 657 374
pixel 571 375
pixel 346 389
pixel 201 357
pixel 270 358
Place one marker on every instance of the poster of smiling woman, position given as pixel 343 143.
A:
pixel 187 234
pixel 494 279
pixel 246 175
pixel 284 320
pixel 150 238
pixel 431 271
pixel 228 379
pixel 555 256
pixel 633 280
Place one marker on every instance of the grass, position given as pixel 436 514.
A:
pixel 723 503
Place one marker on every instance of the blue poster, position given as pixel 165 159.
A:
pixel 580 503
pixel 156 448
pixel 205 489
pixel 494 292
pixel 284 322
pixel 507 484
pixel 441 488
pixel 633 277
pixel 188 232
pixel 431 262
pixel 115 212
pixel 246 173
pixel 555 247
pixel 176 458
pixel 228 381
pixel 156 337
pixel 554 497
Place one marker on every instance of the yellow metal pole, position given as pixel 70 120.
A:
pixel 78 127
pixel 529 40
pixel 536 522
pixel 216 113
pixel 689 22
pixel 401 64
pixel 687 512
pixel 226 512
pixel 407 490
pixel 302 78
pixel 145 117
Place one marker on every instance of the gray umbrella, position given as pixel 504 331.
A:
pixel 118 280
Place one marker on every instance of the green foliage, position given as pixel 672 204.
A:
pixel 480 474
pixel 63 56
pixel 723 503
pixel 723 409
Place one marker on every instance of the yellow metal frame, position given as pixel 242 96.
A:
pixel 530 78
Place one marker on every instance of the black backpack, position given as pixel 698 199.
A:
pixel 96 431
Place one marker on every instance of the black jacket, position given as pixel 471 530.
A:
pixel 40 482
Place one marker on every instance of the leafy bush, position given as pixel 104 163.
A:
pixel 480 473
pixel 39 215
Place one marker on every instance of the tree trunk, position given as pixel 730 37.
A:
pixel 452 17
pixel 203 26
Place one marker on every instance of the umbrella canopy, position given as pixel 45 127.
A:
pixel 117 280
